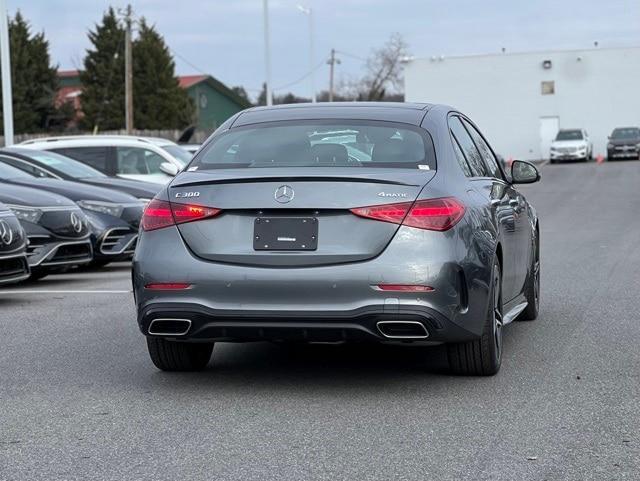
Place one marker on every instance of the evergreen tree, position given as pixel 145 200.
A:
pixel 103 76
pixel 242 93
pixel 34 81
pixel 158 100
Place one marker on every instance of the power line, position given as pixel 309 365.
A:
pixel 203 72
pixel 301 78
pixel 347 54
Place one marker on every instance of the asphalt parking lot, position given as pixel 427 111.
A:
pixel 81 400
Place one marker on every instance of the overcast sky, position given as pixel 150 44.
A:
pixel 225 37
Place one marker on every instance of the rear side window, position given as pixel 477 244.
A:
pixel 461 160
pixel 471 153
pixel 96 157
pixel 136 160
pixel 485 151
pixel 320 143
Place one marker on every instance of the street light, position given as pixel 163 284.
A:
pixel 267 53
pixel 307 11
pixel 7 103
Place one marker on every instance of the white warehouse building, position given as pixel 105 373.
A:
pixel 520 100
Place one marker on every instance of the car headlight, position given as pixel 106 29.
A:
pixel 30 214
pixel 103 207
pixel 553 149
pixel 609 146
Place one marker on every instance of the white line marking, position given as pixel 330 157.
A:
pixel 45 291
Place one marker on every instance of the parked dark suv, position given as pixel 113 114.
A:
pixel 624 143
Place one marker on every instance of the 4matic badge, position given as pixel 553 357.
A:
pixel 392 194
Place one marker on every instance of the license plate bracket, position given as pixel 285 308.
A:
pixel 285 234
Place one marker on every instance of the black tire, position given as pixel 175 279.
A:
pixel 178 356
pixel 36 275
pixel 532 286
pixel 552 161
pixel 96 263
pixel 483 356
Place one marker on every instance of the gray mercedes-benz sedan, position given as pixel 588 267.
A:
pixel 330 223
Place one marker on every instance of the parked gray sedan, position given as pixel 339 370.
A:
pixel 384 222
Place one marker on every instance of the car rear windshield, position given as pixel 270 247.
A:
pixel 335 143
pixel 569 135
pixel 629 133
pixel 182 155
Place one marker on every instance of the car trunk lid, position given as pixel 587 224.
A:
pixel 292 217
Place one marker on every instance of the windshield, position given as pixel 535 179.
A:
pixel 179 153
pixel 569 135
pixel 9 172
pixel 67 166
pixel 628 133
pixel 333 143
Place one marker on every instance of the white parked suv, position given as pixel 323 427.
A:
pixel 571 144
pixel 140 158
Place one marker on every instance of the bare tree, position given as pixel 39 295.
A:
pixel 384 69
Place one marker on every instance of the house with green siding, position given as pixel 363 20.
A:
pixel 213 100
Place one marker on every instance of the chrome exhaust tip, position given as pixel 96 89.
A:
pixel 402 329
pixel 169 327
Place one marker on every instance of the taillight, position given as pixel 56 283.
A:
pixel 156 215
pixel 160 213
pixel 432 214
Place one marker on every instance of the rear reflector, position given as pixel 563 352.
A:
pixel 168 286
pixel 160 213
pixel 404 288
pixel 432 214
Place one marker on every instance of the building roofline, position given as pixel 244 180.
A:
pixel 527 52
pixel 223 89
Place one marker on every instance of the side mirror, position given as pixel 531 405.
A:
pixel 524 172
pixel 169 169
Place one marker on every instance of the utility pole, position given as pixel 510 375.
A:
pixel 5 64
pixel 128 72
pixel 267 53
pixel 332 61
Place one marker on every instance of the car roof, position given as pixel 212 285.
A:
pixel 411 113
pixel 89 140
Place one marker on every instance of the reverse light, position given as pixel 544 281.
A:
pixel 431 214
pixel 160 213
pixel 168 286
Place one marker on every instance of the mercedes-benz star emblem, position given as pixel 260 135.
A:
pixel 76 222
pixel 6 234
pixel 284 194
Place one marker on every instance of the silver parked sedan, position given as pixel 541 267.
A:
pixel 339 222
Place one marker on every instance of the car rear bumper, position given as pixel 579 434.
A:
pixel 318 304
pixel 358 325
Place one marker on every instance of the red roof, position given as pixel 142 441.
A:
pixel 187 81
pixel 68 73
